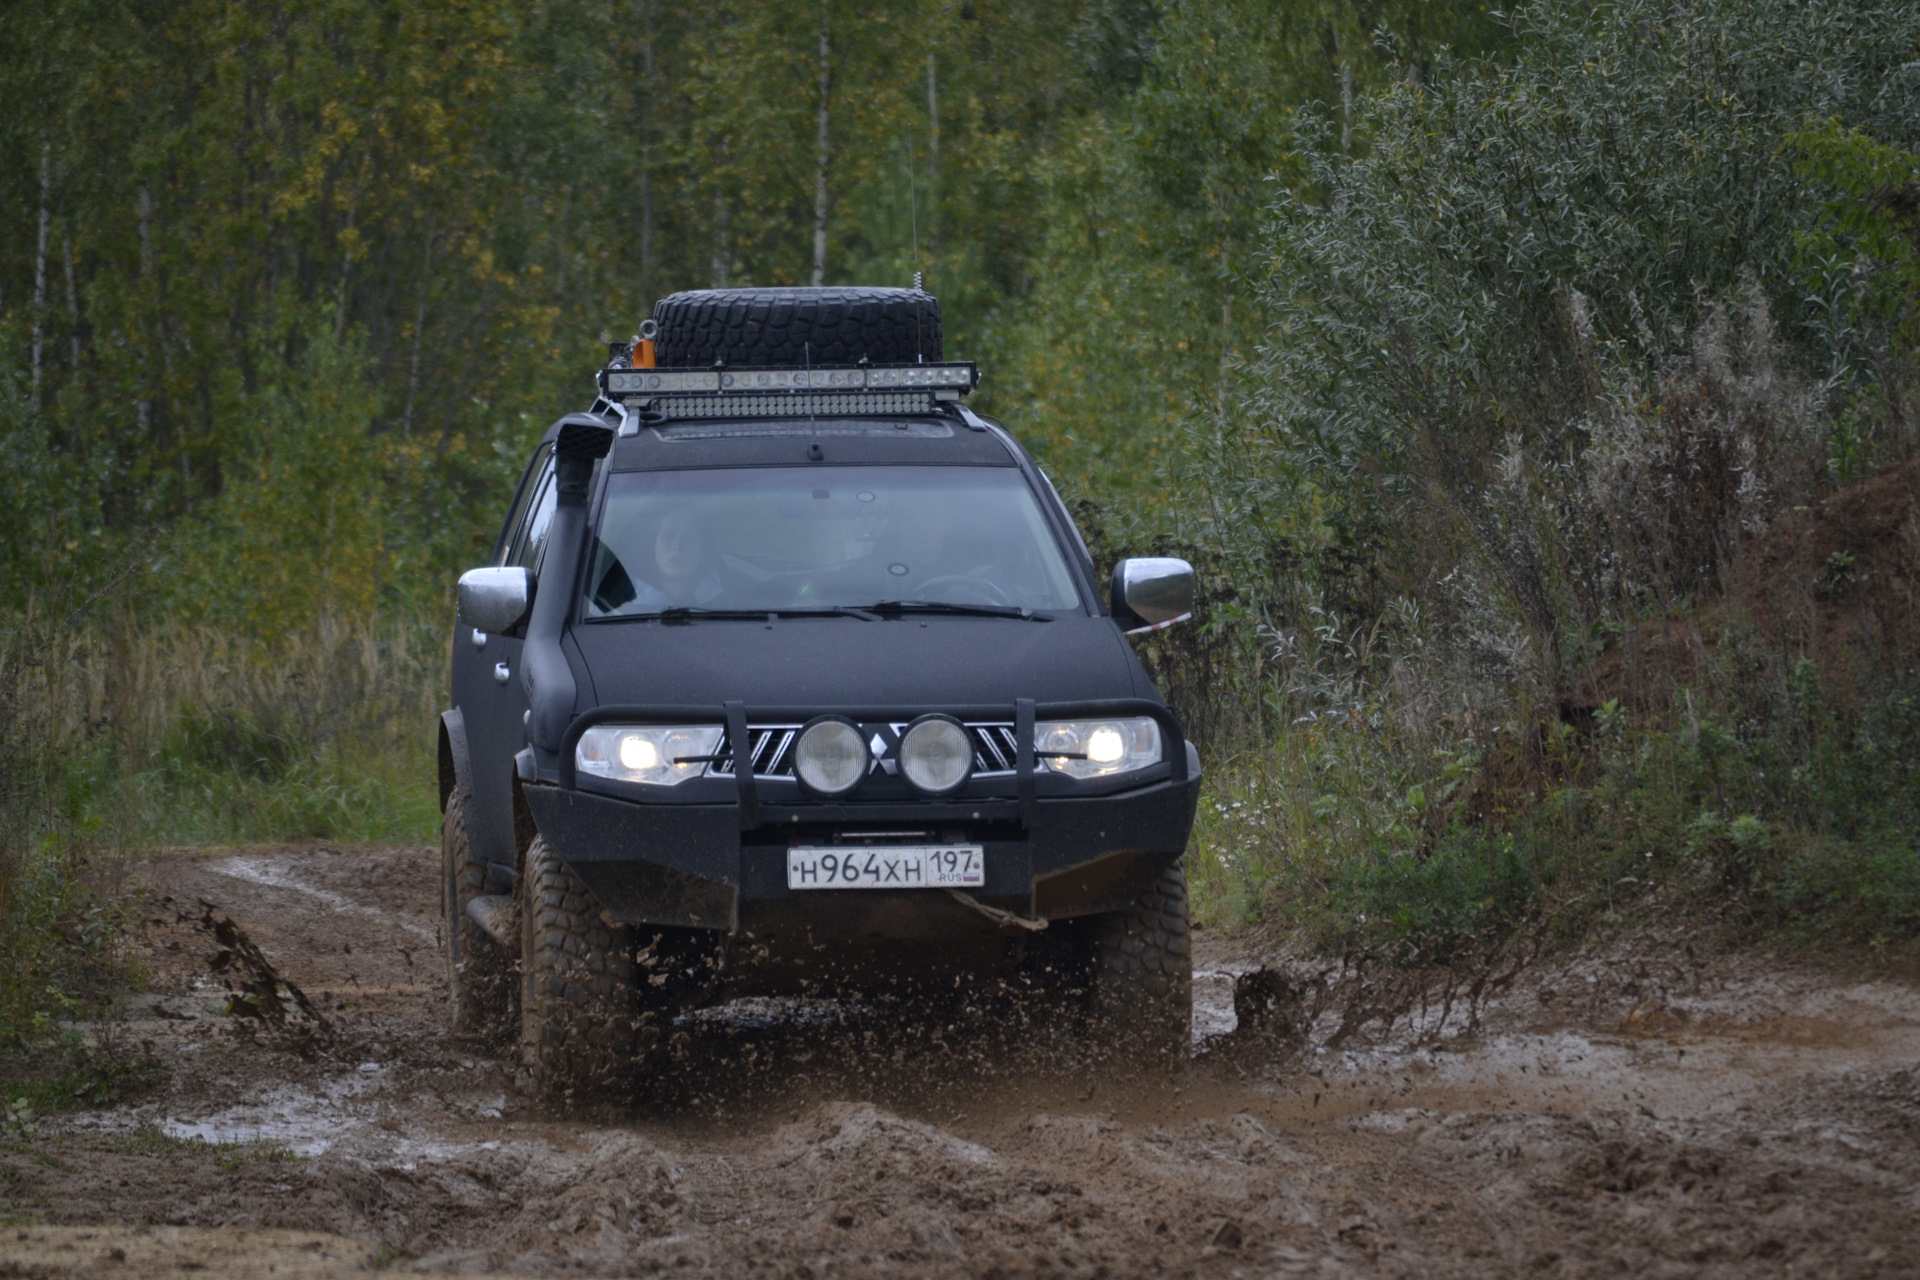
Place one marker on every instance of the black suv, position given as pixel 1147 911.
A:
pixel 790 675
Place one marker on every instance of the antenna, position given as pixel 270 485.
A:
pixel 913 205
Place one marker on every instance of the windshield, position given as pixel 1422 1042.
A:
pixel 782 538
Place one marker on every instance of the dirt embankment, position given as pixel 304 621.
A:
pixel 1840 581
pixel 1640 1109
pixel 1837 583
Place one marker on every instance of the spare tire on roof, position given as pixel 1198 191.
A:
pixel 797 326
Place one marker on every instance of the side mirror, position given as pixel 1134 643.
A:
pixel 495 599
pixel 1151 593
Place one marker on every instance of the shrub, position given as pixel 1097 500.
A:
pixel 1543 356
pixel 1560 301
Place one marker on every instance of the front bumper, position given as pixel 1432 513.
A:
pixel 706 865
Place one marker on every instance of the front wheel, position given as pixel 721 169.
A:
pixel 1141 976
pixel 578 1003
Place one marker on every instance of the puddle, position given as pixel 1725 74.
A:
pixel 305 1122
pixel 1213 1004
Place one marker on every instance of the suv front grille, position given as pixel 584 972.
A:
pixel 994 752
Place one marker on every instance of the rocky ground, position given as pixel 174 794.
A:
pixel 1646 1108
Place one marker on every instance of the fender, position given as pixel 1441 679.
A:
pixel 455 766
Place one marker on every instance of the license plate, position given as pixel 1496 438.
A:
pixel 891 866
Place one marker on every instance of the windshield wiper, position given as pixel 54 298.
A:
pixel 688 613
pixel 830 611
pixel 680 615
pixel 966 610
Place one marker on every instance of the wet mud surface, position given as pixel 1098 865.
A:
pixel 1643 1109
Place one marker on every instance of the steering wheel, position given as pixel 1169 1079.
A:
pixel 983 591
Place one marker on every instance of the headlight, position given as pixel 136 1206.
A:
pixel 662 754
pixel 936 755
pixel 830 758
pixel 1097 748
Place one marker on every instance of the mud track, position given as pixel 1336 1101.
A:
pixel 1641 1109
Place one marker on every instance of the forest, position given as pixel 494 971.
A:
pixel 1482 361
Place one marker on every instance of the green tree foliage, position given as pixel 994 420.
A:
pixel 1139 311
pixel 1471 321
pixel 220 194
pixel 351 255
pixel 211 201
pixel 1866 251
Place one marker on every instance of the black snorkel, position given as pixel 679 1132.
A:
pixel 584 440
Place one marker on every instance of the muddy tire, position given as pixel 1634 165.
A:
pixel 827 326
pixel 480 987
pixel 1140 977
pixel 577 997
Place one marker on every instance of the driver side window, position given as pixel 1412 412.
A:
pixel 534 541
pixel 532 513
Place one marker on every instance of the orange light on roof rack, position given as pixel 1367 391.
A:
pixel 643 354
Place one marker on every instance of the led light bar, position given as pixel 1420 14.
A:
pixel 621 382
pixel 958 378
pixel 786 379
pixel 793 404
pixel 962 376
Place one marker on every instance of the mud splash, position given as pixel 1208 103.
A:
pixel 1635 1109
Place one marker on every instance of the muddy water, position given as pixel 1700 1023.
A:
pixel 1642 1109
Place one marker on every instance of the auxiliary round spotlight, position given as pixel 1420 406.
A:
pixel 830 757
pixel 936 754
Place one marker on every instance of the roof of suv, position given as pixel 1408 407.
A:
pixel 774 442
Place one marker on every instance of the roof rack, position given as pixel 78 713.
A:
pixel 789 392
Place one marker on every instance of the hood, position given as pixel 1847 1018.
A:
pixel 823 663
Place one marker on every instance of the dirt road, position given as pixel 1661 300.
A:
pixel 1636 1111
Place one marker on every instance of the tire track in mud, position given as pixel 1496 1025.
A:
pixel 1620 1111
pixel 277 873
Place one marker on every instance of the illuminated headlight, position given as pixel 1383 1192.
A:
pixel 660 754
pixel 936 755
pixel 830 757
pixel 1097 748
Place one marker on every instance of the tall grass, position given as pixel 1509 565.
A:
pixel 59 876
pixel 326 733
pixel 119 734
